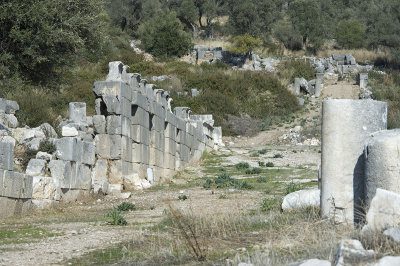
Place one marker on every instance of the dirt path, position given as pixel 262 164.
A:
pixel 56 236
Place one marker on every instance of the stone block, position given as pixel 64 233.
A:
pixel 134 81
pixel 114 125
pixel 43 156
pixel 10 207
pixel 99 124
pixel 301 199
pixel 170 146
pixel 140 134
pixel 88 153
pixel 103 146
pixel 60 170
pixel 100 170
pixel 115 71
pixel 346 124
pixel 67 149
pixel 69 131
pixel 102 88
pixel 8 120
pixel 112 104
pixel 115 152
pixel 8 106
pixel 140 116
pixel 116 176
pixel 45 188
pixel 100 187
pixel 14 184
pixel 77 112
pixel 6 156
pixel 36 167
pixel 126 107
pixel 33 145
pixel 83 177
pixel 139 100
pixel 180 124
pixel 98 103
pixel 126 126
pixel 126 149
pixel 126 92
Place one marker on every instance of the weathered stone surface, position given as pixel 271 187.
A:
pixel 115 176
pixel 394 233
pixel 8 106
pixel 115 71
pixel 60 169
pixel 48 130
pixel 114 125
pixel 300 199
pixel 43 156
pixel 384 211
pixel 351 251
pixel 33 145
pixel 382 166
pixel 386 261
pixel 36 167
pixel 112 104
pixel 8 120
pixel 67 149
pixel 6 156
pixel 89 152
pixel 100 170
pixel 77 112
pixel 346 124
pixel 99 124
pixel 68 131
pixel 10 206
pixel 312 262
pixel 45 188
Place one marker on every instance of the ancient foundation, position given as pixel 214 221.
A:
pixel 382 166
pixel 346 124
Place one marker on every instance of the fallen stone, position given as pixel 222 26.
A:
pixel 8 139
pixel 19 133
pixel 386 261
pixel 384 211
pixel 36 167
pixel 34 144
pixel 8 106
pixel 6 156
pixel 301 199
pixel 394 233
pixel 68 131
pixel 312 262
pixel 115 71
pixel 43 156
pixel 44 188
pixel 351 251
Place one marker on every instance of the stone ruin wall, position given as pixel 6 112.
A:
pixel 134 140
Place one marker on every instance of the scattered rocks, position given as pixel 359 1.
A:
pixel 351 251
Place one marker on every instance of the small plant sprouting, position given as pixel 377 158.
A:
pixel 254 154
pixel 222 196
pixel 263 151
pixel 47 146
pixel 261 164
pixel 182 197
pixel 269 164
pixel 115 217
pixel 262 179
pixel 126 206
pixel 152 207
pixel 269 204
pixel 242 165
pixel 278 155
pixel 225 180
pixel 208 183
pixel 292 187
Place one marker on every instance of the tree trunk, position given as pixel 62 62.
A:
pixel 210 33
pixel 200 16
pixel 304 43
pixel 194 28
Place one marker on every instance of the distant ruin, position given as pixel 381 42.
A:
pixel 134 140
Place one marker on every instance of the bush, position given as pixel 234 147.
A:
pixel 262 179
pixel 47 146
pixel 297 69
pixel 242 165
pixel 270 204
pixel 163 35
pixel 115 217
pixel 182 197
pixel 269 164
pixel 292 187
pixel 126 206
pixel 225 180
pixel 254 171
pixel 263 151
pixel 278 155
pixel 261 164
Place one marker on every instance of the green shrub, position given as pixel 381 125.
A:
pixel 350 34
pixel 254 171
pixel 254 154
pixel 269 164
pixel 47 146
pixel 115 217
pixel 126 206
pixel 297 69
pixel 261 164
pixel 270 204
pixel 208 183
pixel 292 187
pixel 242 165
pixel 182 197
pixel 278 155
pixel 262 179
pixel 225 180
pixel 263 151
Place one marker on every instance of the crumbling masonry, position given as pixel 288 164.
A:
pixel 134 140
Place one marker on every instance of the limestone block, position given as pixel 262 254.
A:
pixel 318 88
pixel 150 175
pixel 346 124
pixel 126 126
pixel 77 112
pixel 384 211
pixel 33 145
pixel 152 161
pixel 115 71
pixel 312 262
pixel 100 187
pixel 351 250
pixel 135 81
pixel 139 100
pixel 126 91
pixel 88 153
pixel 98 103
pixel 67 149
pixel 381 163
pixel 99 124
pixel 393 233
pixel 300 199
pixel 83 177
pixel 102 88
pixel 126 149
pixel 180 124
pixel 170 118
pixel 320 77
pixel 145 154
pixel 126 107
pixel 16 185
pixel 140 116
pixel 68 131
pixel 8 106
pixel 140 134
pixel 103 146
pixel 100 170
pixel 159 159
pixel 45 188
pixel 137 152
pixel 60 170
pixel 387 261
pixel 10 207
pixel 8 120
pixel 170 146
pixel 115 175
pixel 114 189
pixel 36 167
pixel 44 156
pixel 115 151
pixel 112 104
pixel 6 156
pixel 114 125
pixel 132 182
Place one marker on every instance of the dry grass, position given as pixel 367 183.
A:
pixel 362 55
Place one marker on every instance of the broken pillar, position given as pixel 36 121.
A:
pixel 346 124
